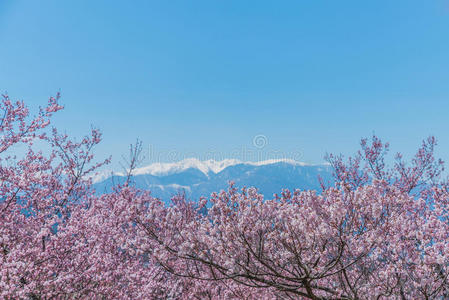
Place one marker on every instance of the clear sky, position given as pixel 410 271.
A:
pixel 198 76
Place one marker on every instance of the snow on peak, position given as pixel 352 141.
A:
pixel 103 175
pixel 207 166
pixel 275 161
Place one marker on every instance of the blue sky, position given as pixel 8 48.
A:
pixel 198 76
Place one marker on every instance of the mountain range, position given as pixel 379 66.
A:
pixel 201 178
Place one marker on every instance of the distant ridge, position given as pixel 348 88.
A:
pixel 200 178
pixel 206 166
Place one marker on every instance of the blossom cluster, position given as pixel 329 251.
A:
pixel 377 233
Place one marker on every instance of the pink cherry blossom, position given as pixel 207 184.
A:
pixel 379 232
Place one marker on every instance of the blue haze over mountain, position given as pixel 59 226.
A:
pixel 197 178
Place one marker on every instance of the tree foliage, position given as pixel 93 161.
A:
pixel 378 233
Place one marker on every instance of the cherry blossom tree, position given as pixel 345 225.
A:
pixel 420 175
pixel 38 192
pixel 58 239
pixel 379 232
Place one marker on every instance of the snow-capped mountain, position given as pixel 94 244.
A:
pixel 201 178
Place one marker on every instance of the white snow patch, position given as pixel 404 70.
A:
pixel 103 175
pixel 174 186
pixel 206 167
